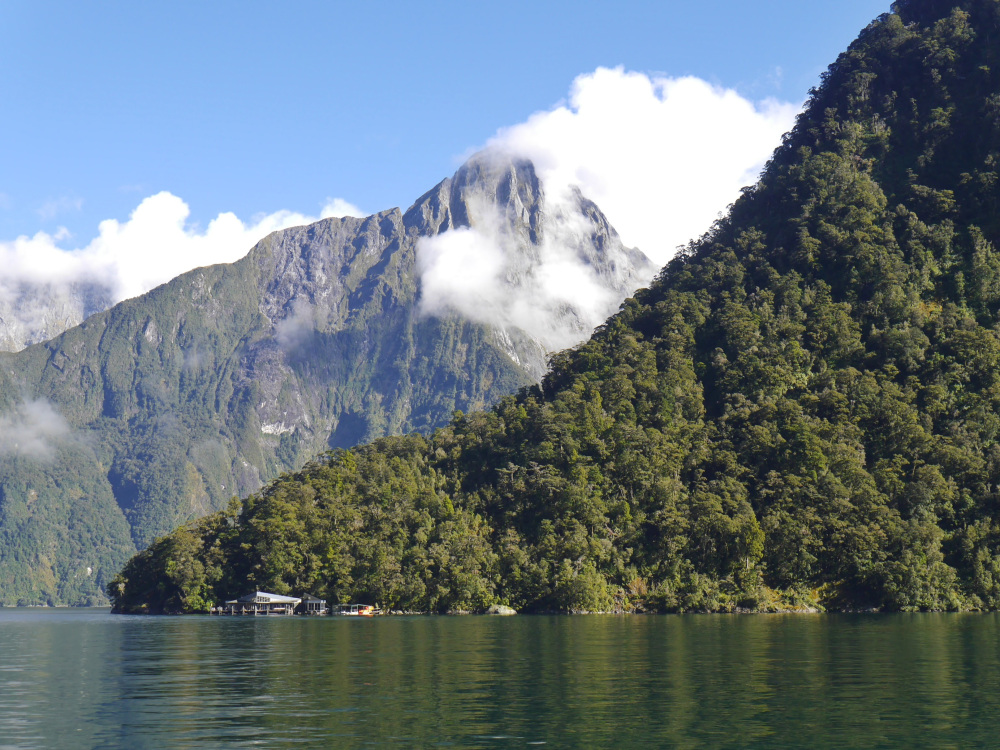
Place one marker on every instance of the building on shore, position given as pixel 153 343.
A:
pixel 261 603
pixel 311 605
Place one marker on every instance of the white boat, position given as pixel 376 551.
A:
pixel 354 610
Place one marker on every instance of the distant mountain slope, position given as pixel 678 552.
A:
pixel 165 406
pixel 803 410
pixel 35 312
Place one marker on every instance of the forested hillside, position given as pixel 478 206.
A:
pixel 802 410
pixel 164 407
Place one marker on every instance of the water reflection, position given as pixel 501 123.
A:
pixel 87 679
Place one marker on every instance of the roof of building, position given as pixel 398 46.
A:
pixel 311 598
pixel 270 598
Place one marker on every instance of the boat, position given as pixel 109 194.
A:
pixel 354 610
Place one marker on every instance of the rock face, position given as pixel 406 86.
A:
pixel 501 609
pixel 167 405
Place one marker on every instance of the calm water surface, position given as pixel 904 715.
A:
pixel 85 678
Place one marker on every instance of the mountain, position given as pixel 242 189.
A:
pixel 802 411
pixel 162 408
pixel 35 312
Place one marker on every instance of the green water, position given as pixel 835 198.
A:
pixel 79 679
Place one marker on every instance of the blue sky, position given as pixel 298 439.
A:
pixel 254 106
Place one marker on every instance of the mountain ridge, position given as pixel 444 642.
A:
pixel 167 405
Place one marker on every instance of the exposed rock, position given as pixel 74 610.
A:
pixel 500 609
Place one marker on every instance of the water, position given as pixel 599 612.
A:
pixel 87 679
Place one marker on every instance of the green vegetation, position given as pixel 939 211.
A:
pixel 171 403
pixel 803 409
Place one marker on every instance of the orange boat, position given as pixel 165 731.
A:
pixel 354 610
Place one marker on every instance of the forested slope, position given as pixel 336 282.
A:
pixel 802 410
pixel 164 407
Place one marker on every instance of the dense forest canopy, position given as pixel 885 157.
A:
pixel 802 410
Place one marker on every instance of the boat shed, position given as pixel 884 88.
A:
pixel 262 603
pixel 311 605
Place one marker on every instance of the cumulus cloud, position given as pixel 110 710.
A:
pixel 338 208
pixel 661 156
pixel 558 303
pixel 32 430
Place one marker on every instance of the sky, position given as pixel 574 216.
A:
pixel 162 125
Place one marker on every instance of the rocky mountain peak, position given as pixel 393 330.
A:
pixel 543 270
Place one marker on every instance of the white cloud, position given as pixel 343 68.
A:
pixel 557 292
pixel 338 208
pixel 156 244
pixel 32 430
pixel 294 330
pixel 661 157
pixel 558 302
